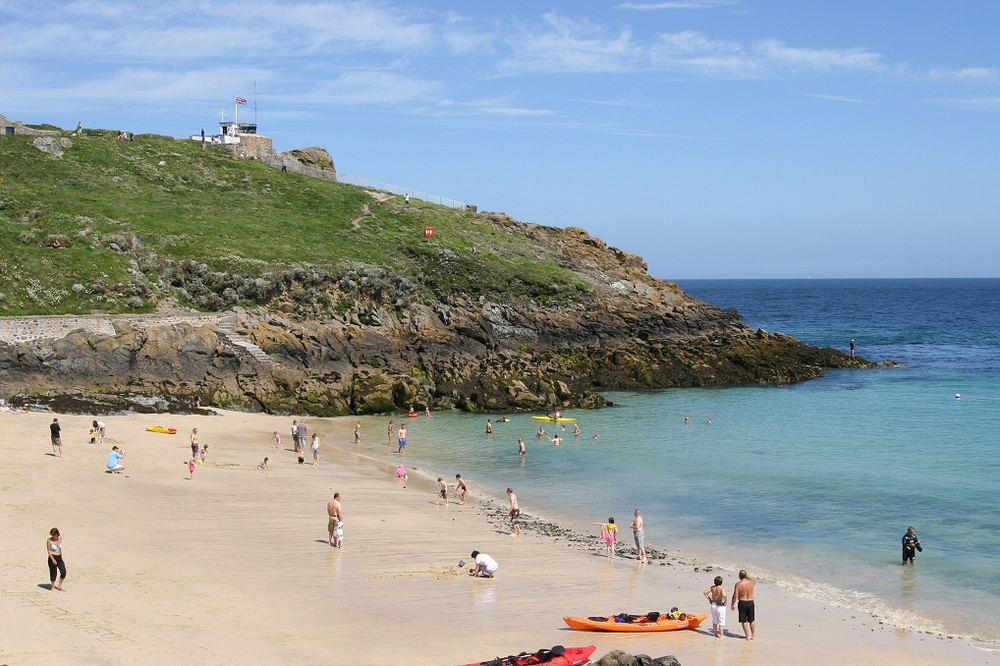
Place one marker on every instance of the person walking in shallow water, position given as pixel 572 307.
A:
pixel 911 544
pixel 54 551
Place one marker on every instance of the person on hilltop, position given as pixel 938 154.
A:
pixel 743 598
pixel 114 461
pixel 911 544
pixel 716 596
pixel 639 534
pixel 55 431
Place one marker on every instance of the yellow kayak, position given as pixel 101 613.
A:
pixel 552 419
pixel 164 429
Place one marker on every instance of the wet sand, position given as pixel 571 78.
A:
pixel 234 566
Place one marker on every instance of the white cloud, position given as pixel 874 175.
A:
pixel 824 60
pixel 515 111
pixel 834 98
pixel 675 4
pixel 972 103
pixel 963 74
pixel 570 45
pixel 371 87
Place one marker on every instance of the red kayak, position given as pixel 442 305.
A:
pixel 555 656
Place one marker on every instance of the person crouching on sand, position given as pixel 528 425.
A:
pixel 486 566
pixel 263 465
pixel 609 535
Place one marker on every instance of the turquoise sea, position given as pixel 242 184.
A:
pixel 813 483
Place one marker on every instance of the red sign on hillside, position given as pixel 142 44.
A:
pixel 429 232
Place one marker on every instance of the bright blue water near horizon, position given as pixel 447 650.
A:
pixel 814 482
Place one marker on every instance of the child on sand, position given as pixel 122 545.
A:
pixel 609 535
pixel 277 440
pixel 716 596
pixel 202 454
pixel 401 473
pixel 191 467
pixel 263 465
pixel 443 489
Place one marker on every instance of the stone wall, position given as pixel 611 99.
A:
pixel 21 128
pixel 261 148
pixel 14 330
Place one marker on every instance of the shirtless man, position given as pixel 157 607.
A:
pixel 489 426
pixel 443 489
pixel 514 513
pixel 462 487
pixel 521 447
pixel 335 515
pixel 639 534
pixel 743 595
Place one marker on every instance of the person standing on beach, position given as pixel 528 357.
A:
pixel 54 551
pixel 303 435
pixel 357 433
pixel 514 513
pixel 194 443
pixel 443 489
pixel 294 434
pixel 277 440
pixel 335 516
pixel 522 449
pixel 55 434
pixel 639 534
pixel 315 448
pixel 461 487
pixel 743 597
pixel 609 535
pixel 101 430
pixel 716 596
pixel 911 544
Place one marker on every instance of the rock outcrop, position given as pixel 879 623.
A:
pixel 386 349
pixel 622 658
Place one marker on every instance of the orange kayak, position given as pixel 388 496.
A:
pixel 640 624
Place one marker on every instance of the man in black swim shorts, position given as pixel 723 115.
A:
pixel 743 595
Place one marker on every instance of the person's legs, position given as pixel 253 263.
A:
pixel 52 573
pixel 331 527
pixel 61 565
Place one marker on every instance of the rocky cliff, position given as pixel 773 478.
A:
pixel 280 292
pixel 488 352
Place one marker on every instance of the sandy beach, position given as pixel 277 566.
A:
pixel 234 566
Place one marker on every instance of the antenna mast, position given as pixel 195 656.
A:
pixel 254 102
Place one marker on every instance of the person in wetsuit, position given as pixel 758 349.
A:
pixel 911 544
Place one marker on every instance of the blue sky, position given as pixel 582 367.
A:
pixel 717 138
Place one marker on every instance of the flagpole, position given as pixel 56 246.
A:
pixel 236 115
pixel 254 102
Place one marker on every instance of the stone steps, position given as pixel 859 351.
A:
pixel 242 343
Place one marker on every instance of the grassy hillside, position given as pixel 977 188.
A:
pixel 202 223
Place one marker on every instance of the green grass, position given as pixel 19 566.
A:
pixel 235 216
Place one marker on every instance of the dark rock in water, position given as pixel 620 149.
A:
pixel 622 658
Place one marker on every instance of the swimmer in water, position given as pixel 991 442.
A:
pixel 521 447
pixel 540 433
pixel 708 421
pixel 576 429
pixel 687 420
pixel 557 440
pixel 594 436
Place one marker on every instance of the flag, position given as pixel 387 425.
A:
pixel 241 100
